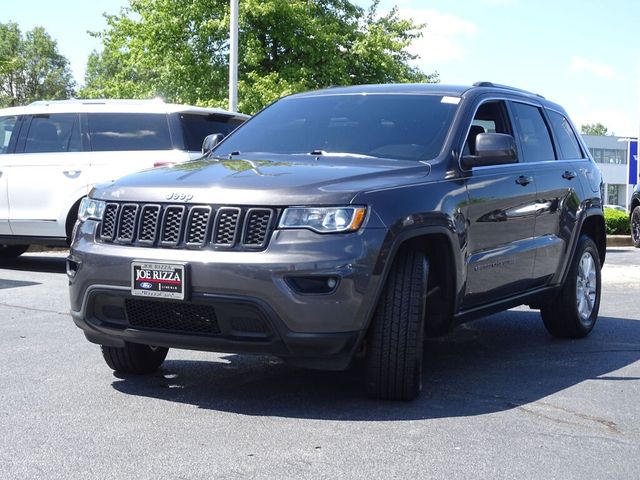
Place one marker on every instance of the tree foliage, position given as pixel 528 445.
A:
pixel 31 67
pixel 178 50
pixel 594 129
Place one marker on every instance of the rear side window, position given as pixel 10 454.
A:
pixel 533 133
pixel 7 125
pixel 128 131
pixel 195 127
pixel 59 132
pixel 569 146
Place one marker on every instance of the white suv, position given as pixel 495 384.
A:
pixel 53 153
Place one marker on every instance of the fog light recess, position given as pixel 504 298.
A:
pixel 313 285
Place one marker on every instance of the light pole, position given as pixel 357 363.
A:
pixel 233 57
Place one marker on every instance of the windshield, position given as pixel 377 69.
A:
pixel 398 126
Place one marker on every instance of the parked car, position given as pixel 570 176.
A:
pixel 634 217
pixel 53 153
pixel 347 223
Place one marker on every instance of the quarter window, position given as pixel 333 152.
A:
pixel 196 127
pixel 131 131
pixel 533 133
pixel 53 133
pixel 569 146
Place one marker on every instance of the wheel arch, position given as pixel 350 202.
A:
pixel 635 202
pixel 590 223
pixel 445 273
pixel 594 226
pixel 72 216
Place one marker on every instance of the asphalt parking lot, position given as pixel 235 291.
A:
pixel 502 400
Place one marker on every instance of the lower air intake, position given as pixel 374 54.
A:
pixel 172 317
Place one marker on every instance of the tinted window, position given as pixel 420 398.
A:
pixel 491 117
pixel 53 133
pixel 411 127
pixel 196 127
pixel 533 133
pixel 569 146
pixel 7 125
pixel 129 131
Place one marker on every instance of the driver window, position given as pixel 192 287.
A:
pixel 490 117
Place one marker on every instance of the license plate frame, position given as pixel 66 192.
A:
pixel 159 280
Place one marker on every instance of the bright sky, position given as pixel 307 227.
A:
pixel 583 54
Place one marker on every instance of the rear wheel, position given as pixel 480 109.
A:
pixel 134 358
pixel 635 227
pixel 393 364
pixel 573 313
pixel 12 251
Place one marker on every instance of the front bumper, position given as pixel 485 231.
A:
pixel 254 306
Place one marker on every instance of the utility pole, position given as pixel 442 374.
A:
pixel 233 57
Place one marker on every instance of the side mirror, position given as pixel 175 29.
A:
pixel 492 149
pixel 210 142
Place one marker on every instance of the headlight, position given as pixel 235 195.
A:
pixel 91 209
pixel 324 219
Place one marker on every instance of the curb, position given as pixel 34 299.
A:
pixel 619 241
pixel 44 248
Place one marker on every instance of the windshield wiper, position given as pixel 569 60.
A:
pixel 319 153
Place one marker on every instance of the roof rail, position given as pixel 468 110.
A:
pixel 505 87
pixel 98 101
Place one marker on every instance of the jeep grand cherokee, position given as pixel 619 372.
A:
pixel 343 223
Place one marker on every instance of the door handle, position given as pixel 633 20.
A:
pixel 522 180
pixel 569 175
pixel 72 173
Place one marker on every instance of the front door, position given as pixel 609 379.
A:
pixel 48 171
pixel 501 215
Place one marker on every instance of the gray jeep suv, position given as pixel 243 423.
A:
pixel 347 223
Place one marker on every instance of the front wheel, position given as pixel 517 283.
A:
pixel 393 363
pixel 134 358
pixel 573 313
pixel 635 227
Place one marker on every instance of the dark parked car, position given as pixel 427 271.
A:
pixel 634 217
pixel 347 223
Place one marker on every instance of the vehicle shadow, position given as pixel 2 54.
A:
pixel 37 262
pixel 495 364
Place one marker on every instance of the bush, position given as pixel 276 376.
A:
pixel 617 222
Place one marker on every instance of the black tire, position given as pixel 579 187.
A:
pixel 12 251
pixel 134 358
pixel 573 313
pixel 393 363
pixel 635 227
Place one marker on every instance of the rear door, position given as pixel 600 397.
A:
pixel 9 128
pixel 123 143
pixel 47 172
pixel 559 193
pixel 501 214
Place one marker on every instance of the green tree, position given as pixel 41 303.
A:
pixel 594 129
pixel 178 50
pixel 31 67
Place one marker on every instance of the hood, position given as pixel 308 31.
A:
pixel 274 180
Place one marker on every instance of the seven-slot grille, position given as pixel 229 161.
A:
pixel 187 226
